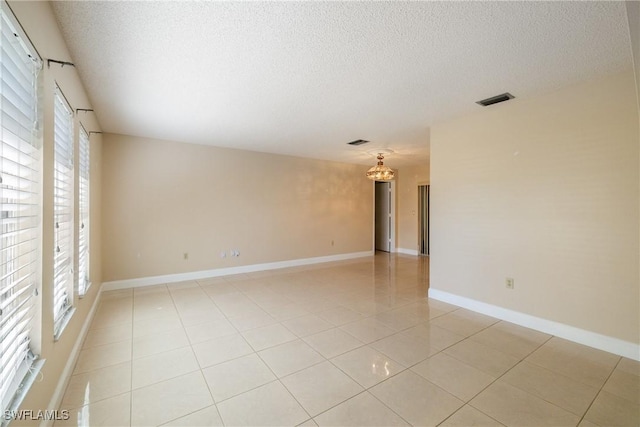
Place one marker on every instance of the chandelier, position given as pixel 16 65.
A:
pixel 380 172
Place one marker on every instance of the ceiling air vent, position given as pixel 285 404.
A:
pixel 495 99
pixel 358 142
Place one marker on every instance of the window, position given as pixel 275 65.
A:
pixel 20 205
pixel 62 213
pixel 83 210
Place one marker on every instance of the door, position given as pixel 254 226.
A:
pixel 383 216
pixel 423 207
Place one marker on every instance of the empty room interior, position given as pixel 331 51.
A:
pixel 320 213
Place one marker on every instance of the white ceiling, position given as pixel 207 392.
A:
pixel 304 78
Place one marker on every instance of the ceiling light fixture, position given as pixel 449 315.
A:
pixel 380 172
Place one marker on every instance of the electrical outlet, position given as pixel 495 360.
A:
pixel 509 283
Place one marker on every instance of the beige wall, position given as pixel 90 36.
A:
pixel 39 23
pixel 543 190
pixel 407 182
pixel 633 15
pixel 162 199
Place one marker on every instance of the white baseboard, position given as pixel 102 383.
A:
pixel 407 251
pixel 571 333
pixel 63 381
pixel 205 274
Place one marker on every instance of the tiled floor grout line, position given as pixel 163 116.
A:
pixel 468 401
pixel 201 369
pixel 325 360
pixel 365 308
pixel 365 389
pixel 599 391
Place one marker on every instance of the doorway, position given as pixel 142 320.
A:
pixel 423 222
pixel 383 217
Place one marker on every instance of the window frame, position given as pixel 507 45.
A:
pixel 20 194
pixel 83 278
pixel 63 213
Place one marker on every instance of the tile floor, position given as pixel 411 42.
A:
pixel 348 343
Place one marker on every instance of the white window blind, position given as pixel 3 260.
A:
pixel 19 204
pixel 62 212
pixel 83 209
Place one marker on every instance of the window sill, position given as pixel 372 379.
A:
pixel 63 323
pixel 11 413
pixel 86 290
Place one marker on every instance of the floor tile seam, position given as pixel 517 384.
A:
pixel 408 366
pixel 524 391
pixel 254 327
pixel 158 332
pixel 294 372
pixel 198 324
pixel 228 360
pixel 356 381
pixel 557 372
pixel 599 392
pixel 108 326
pixel 75 407
pixel 433 384
pixel 224 361
pixel 192 343
pixel 481 411
pixel 307 335
pixel 76 374
pixel 426 379
pixel 457 360
pixel 358 394
pixel 405 368
pixel 353 397
pixel 537 345
pixel 117 309
pixel 294 397
pixel 471 406
pixel 134 359
pixel 634 402
pixel 479 330
pixel 561 374
pixel 353 336
pixel 99 367
pixel 519 388
pixel 214 303
pixel 184 327
pixel 543 398
pixel 489 347
pixel 193 412
pixel 172 377
pixel 270 346
pixel 340 354
pixel 210 395
pixel 154 317
pixel 105 344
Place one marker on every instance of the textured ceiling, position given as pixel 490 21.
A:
pixel 305 78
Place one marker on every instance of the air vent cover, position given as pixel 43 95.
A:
pixel 495 99
pixel 358 142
